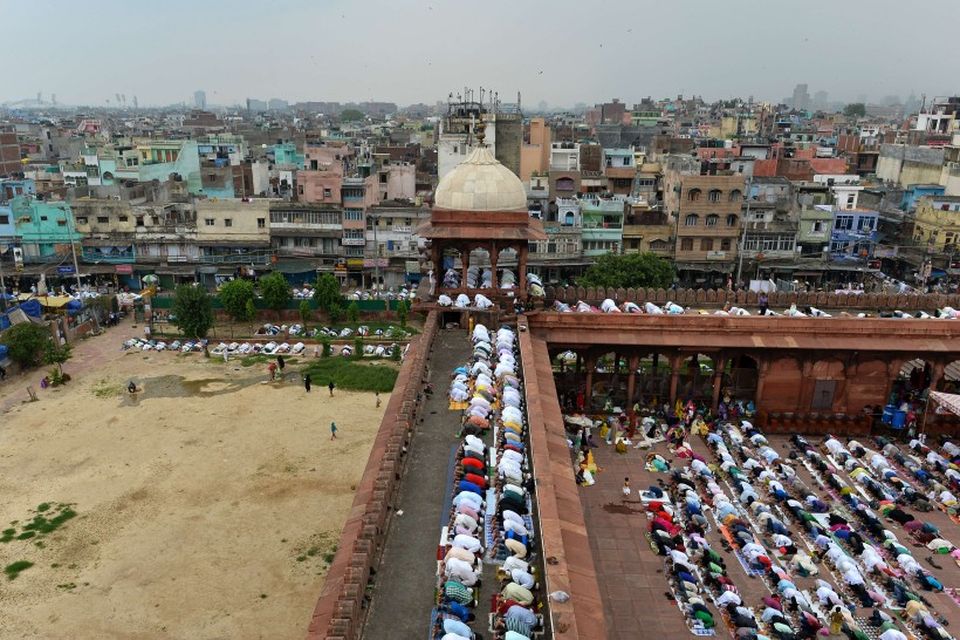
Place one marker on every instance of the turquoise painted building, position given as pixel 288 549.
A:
pixel 45 229
pixel 285 154
pixel 602 220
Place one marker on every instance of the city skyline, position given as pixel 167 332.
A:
pixel 419 53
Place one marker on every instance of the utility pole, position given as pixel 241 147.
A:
pixel 376 258
pixel 3 284
pixel 743 236
pixel 73 250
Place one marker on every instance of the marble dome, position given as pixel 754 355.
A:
pixel 480 183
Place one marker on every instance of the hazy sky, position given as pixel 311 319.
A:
pixel 561 51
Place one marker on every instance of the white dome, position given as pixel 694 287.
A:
pixel 480 183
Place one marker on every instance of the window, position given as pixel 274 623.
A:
pixel 139 221
pixel 659 245
pixel 261 223
pixel 732 220
pixel 686 244
pixel 369 224
pixel 691 220
pixel 706 244
pixel 155 219
pixel 228 222
pixel 4 219
pixel 327 193
pixel 81 219
pixel 208 222
pixel 843 223
pixel 408 221
pixel 736 195
pixel 121 218
pixel 43 218
pixel 693 195
pixel 383 178
pixel 715 195
pixel 103 219
pixel 712 220
pixel 61 223
pixel 865 224
pixel 353 214
pixel 300 189
pixel 725 244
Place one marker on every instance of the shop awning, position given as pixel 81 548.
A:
pixel 50 302
pixel 946 402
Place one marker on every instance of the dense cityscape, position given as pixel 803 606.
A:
pixel 790 192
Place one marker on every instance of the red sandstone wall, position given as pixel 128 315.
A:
pixel 778 301
pixel 340 609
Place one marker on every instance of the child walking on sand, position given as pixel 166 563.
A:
pixel 626 489
pixel 333 430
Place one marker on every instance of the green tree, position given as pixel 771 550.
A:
pixel 275 291
pixel 353 312
pixel 630 270
pixel 403 308
pixel 192 311
pixel 57 354
pixel 336 313
pixel 855 110
pixel 351 115
pixel 306 312
pixel 327 292
pixel 26 343
pixel 357 348
pixel 251 310
pixel 234 296
pixel 327 348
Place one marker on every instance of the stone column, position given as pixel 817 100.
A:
pixel 588 390
pixel 936 375
pixel 719 365
pixel 522 254
pixel 465 263
pixel 762 369
pixel 674 377
pixel 493 265
pixel 633 362
pixel 803 401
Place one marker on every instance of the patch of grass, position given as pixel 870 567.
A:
pixel 106 389
pixel 43 506
pixel 328 557
pixel 312 551
pixel 67 586
pixel 351 375
pixel 249 361
pixel 301 558
pixel 7 535
pixel 263 595
pixel 44 525
pixel 55 565
pixel 14 569
pixel 26 535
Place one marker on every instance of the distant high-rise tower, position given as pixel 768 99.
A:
pixel 200 99
pixel 820 100
pixel 53 99
pixel 801 97
pixel 135 105
pixel 39 97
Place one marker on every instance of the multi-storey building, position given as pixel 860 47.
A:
pixel 708 226
pixel 45 230
pixel 937 223
pixel 771 222
pixel 602 221
pixel 560 256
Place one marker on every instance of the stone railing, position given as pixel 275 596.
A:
pixel 777 301
pixel 340 610
pixel 839 424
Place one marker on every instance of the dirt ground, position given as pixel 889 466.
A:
pixel 208 506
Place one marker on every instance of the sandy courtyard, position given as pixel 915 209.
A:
pixel 207 508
